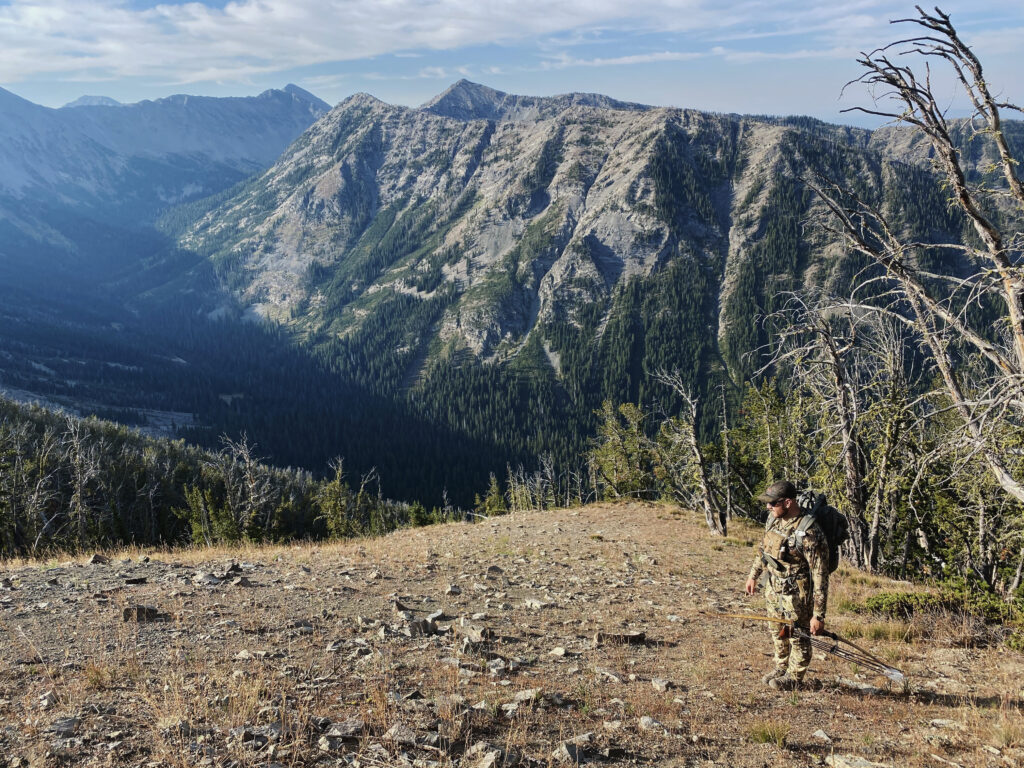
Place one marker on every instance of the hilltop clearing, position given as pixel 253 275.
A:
pixel 327 655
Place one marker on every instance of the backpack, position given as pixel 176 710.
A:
pixel 832 522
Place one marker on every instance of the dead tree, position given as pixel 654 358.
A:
pixel 686 456
pixel 818 340
pixel 934 306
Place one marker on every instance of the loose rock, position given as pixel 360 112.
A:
pixel 401 734
pixel 852 761
pixel 140 613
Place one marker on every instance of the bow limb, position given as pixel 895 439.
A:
pixel 839 638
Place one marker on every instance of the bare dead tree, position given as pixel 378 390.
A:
pixel 251 497
pixel 689 457
pixel 818 339
pixel 895 416
pixel 84 458
pixel 934 306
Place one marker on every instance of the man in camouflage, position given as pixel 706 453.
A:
pixel 796 588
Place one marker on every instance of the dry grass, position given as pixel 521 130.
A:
pixel 177 689
pixel 770 732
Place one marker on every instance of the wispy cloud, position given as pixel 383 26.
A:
pixel 193 42
pixel 563 61
pixel 806 53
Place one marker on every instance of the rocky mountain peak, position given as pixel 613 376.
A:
pixel 93 101
pixel 303 95
pixel 363 99
pixel 465 100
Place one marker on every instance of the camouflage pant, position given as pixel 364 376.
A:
pixel 792 655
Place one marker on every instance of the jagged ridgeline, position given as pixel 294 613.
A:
pixel 502 264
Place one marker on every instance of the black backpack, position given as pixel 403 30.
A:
pixel 831 521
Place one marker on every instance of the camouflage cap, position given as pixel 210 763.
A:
pixel 783 489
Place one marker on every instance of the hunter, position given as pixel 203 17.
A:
pixel 796 589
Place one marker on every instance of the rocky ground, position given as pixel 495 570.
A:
pixel 537 639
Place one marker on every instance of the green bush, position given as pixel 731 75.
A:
pixel 1015 641
pixel 903 605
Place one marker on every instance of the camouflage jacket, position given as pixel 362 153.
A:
pixel 787 563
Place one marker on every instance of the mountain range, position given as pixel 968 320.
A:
pixel 495 265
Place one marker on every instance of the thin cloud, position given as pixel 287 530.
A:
pixel 191 42
pixel 565 61
pixel 846 54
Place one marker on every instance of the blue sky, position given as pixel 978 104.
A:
pixel 751 56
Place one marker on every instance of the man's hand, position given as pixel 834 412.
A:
pixel 817 626
pixel 751 587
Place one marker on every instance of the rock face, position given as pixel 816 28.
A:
pixel 505 219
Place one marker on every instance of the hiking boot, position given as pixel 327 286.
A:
pixel 773 675
pixel 785 682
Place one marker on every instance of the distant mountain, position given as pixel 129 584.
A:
pixel 91 154
pixel 93 101
pixel 245 132
pixel 75 180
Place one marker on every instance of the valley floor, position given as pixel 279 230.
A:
pixel 324 655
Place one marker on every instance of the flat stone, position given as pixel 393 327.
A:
pixel 822 736
pixel 619 638
pixel 660 685
pixel 608 674
pixel 65 727
pixel 852 761
pixel 348 730
pixel 648 723
pixel 401 734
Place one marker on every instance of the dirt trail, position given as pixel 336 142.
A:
pixel 336 655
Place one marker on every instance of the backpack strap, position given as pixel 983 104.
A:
pixel 801 531
pixel 805 522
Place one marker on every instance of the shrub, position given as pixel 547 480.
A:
pixel 903 605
